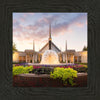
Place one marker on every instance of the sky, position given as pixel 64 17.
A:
pixel 70 27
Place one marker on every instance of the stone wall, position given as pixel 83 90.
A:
pixel 32 80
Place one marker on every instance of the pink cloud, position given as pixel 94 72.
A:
pixel 39 30
pixel 80 24
pixel 31 27
pixel 45 20
pixel 22 19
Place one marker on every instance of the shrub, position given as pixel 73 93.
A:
pixel 77 67
pixel 81 69
pixel 17 70
pixel 42 70
pixel 66 74
pixel 21 69
pixel 81 63
pixel 28 69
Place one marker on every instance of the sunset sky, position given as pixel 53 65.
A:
pixel 64 26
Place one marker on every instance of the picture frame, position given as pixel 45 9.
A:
pixel 7 91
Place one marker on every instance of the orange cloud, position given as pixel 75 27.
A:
pixel 80 24
pixel 40 29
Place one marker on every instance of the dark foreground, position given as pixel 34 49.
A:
pixel 44 80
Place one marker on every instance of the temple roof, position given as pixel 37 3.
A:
pixel 51 46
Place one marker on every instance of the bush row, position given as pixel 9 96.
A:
pixel 21 70
pixel 43 70
pixel 47 70
pixel 81 69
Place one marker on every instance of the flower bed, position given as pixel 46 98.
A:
pixel 46 69
pixel 64 74
pixel 65 65
pixel 21 64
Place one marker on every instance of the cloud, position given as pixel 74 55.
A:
pixel 40 29
pixel 80 24
pixel 36 31
pixel 79 21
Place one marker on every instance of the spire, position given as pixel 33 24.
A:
pixel 50 36
pixel 50 31
pixel 66 46
pixel 33 46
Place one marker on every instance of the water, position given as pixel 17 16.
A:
pixel 50 57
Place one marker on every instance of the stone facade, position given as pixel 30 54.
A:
pixel 68 56
pixel 81 57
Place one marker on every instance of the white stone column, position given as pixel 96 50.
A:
pixel 37 57
pixel 22 58
pixel 29 59
pixel 26 58
pixel 33 58
pixel 66 58
pixel 62 57
pixel 73 58
pixel 77 58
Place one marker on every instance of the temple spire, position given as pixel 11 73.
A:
pixel 50 31
pixel 50 36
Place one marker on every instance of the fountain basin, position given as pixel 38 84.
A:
pixel 48 65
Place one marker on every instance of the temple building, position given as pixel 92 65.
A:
pixel 68 56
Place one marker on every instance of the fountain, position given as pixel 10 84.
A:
pixel 50 57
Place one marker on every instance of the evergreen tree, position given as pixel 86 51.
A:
pixel 85 48
pixel 14 47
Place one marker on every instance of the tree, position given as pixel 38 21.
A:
pixel 85 48
pixel 14 47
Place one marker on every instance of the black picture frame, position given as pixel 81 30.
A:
pixel 8 92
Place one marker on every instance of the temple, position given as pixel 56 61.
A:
pixel 67 56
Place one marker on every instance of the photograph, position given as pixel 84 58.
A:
pixel 49 49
